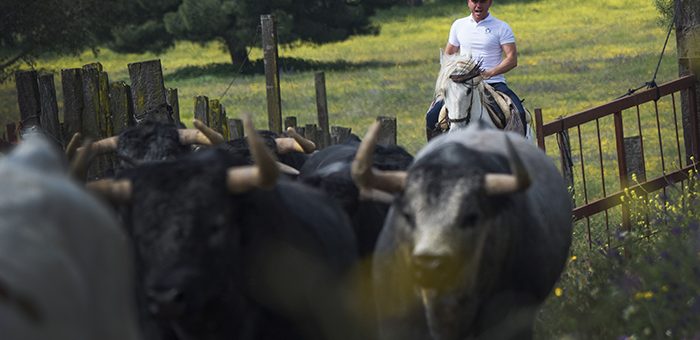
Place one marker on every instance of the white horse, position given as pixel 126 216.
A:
pixel 460 85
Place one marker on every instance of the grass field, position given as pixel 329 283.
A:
pixel 572 55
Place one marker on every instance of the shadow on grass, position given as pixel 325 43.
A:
pixel 286 65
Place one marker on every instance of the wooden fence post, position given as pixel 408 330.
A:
pixel 201 109
pixel 339 134
pixel 148 91
pixel 322 109
pixel 11 129
pixel 120 106
pixel 311 133
pixel 214 115
pixel 49 108
pixel 235 127
pixel 28 98
pixel 172 100
pixel 95 111
pixel 290 121
pixel 687 24
pixel 72 85
pixel 387 130
pixel 272 74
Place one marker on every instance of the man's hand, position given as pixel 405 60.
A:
pixel 486 74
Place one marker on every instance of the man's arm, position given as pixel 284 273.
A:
pixel 509 62
pixel 451 49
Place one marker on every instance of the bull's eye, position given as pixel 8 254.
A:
pixel 468 220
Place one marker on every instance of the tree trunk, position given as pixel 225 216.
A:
pixel 237 50
pixel 687 24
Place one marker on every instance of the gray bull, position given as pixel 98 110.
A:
pixel 475 240
pixel 65 263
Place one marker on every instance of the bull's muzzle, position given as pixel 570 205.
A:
pixel 166 303
pixel 434 271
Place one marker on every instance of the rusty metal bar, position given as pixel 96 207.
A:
pixel 585 189
pixel 614 199
pixel 695 143
pixel 641 136
pixel 622 166
pixel 618 105
pixel 602 178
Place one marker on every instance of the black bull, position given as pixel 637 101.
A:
pixel 264 264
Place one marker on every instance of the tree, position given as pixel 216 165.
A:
pixel 30 28
pixel 236 23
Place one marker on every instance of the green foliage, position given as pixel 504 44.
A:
pixel 666 9
pixel 648 287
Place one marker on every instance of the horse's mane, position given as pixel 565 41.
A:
pixel 453 65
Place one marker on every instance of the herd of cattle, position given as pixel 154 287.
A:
pixel 192 237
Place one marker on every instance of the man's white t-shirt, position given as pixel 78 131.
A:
pixel 482 41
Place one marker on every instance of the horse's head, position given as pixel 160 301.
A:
pixel 459 84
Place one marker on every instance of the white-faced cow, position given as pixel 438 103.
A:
pixel 226 251
pixel 65 263
pixel 475 241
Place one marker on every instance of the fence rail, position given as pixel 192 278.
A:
pixel 629 155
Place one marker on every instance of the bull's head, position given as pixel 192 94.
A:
pixel 444 209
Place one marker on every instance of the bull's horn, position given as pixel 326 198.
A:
pixel 79 163
pixel 287 145
pixel 365 176
pixel 72 146
pixel 286 169
pixel 261 175
pixel 305 144
pixel 103 146
pixel 502 184
pixel 118 191
pixel 213 136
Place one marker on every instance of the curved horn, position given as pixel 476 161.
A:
pixel 80 163
pixel 118 191
pixel 103 146
pixel 366 177
pixel 306 144
pixel 212 135
pixel 287 145
pixel 261 175
pixel 72 146
pixel 501 184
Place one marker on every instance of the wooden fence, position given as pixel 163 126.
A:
pixel 640 148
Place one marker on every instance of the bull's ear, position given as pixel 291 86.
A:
pixel 365 176
pixel 263 174
pixel 502 184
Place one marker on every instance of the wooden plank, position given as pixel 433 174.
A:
pixel 339 134
pixel 272 77
pixel 387 130
pixel 322 109
pixel 214 115
pixel 290 121
pixel 120 106
pixel 235 127
pixel 72 85
pixel 49 109
pixel 311 133
pixel 201 109
pixel 28 98
pixel 172 100
pixel 148 91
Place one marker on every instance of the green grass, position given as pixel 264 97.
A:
pixel 572 55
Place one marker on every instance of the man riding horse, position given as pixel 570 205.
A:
pixel 489 41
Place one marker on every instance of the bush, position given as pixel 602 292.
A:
pixel 647 288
